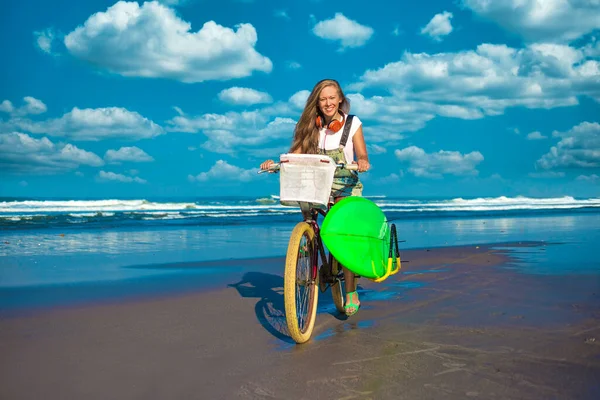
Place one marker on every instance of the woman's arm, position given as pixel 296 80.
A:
pixel 360 150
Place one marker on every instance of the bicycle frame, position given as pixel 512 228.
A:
pixel 310 216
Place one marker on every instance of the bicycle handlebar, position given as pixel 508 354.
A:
pixel 275 167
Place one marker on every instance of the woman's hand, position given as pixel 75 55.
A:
pixel 363 165
pixel 265 165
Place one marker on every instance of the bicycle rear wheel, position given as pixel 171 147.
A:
pixel 300 283
pixel 337 292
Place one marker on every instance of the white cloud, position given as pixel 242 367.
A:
pixel 394 115
pixel 223 171
pixel 282 14
pixel 21 153
pixel 152 41
pixel 589 178
pixel 473 84
pixel 298 99
pixel 376 149
pixel 235 132
pixel 32 106
pixel 174 2
pixel 439 26
pixel 592 49
pixel 389 179
pixel 541 20
pixel 131 154
pixel 547 174
pixel 104 176
pixel 536 136
pixel 579 147
pixel 94 124
pixel 44 40
pixel 347 32
pixel 244 96
pixel 397 31
pixel 6 106
pixel 293 65
pixel 434 165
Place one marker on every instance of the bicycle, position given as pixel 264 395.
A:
pixel 303 274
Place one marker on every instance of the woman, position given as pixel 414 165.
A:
pixel 320 130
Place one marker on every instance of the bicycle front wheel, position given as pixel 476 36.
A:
pixel 300 284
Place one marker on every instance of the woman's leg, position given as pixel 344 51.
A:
pixel 352 302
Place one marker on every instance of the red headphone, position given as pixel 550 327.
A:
pixel 335 125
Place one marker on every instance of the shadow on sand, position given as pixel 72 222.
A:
pixel 270 308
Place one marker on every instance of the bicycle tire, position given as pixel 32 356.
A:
pixel 337 293
pixel 300 327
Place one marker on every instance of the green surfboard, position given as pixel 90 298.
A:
pixel 357 233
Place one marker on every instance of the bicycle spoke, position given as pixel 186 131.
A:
pixel 303 282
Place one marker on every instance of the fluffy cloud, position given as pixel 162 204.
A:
pixel 32 106
pixel 94 124
pixel 6 106
pixel 236 132
pixel 439 26
pixel 223 171
pixel 589 178
pixel 347 32
pixel 104 176
pixel 535 20
pixel 244 96
pixel 434 165
pixel 44 40
pixel 394 114
pixel 298 99
pixel 536 136
pixel 152 41
pixel 472 84
pixel 579 147
pixel 131 154
pixel 21 153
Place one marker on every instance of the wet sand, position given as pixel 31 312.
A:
pixel 455 324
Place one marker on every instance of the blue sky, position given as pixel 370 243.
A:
pixel 104 99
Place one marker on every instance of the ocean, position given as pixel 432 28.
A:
pixel 53 243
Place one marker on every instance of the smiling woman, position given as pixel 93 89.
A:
pixel 326 115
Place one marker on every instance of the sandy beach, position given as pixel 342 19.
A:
pixel 457 323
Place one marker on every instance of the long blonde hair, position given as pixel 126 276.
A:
pixel 306 133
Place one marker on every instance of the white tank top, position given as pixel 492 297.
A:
pixel 329 140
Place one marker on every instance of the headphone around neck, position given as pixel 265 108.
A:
pixel 334 125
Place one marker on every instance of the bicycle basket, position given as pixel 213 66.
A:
pixel 305 178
